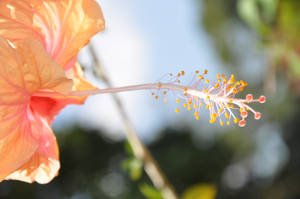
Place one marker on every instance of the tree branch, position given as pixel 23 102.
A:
pixel 141 152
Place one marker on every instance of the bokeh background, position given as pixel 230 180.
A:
pixel 257 40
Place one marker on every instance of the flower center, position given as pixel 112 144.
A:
pixel 45 107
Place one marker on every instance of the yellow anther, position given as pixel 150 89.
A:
pixel 214 115
pixel 197 71
pixel 235 91
pixel 159 84
pixel 189 108
pixel 156 97
pixel 242 109
pixel 207 81
pixel 222 75
pixel 165 100
pixel 185 89
pixel 207 106
pixel 152 93
pixel 201 104
pixel 205 71
pixel 177 110
pixel 220 110
pixel 165 92
pixel 217 85
pixel 219 80
pixel 195 106
pixel 230 101
pixel 178 75
pixel 205 90
pixel 228 105
pixel 236 84
pixel 232 106
pixel 178 100
pixel 190 102
pixel 225 80
pixel 232 76
pixel 185 105
pixel 236 120
pixel 200 77
pixel 212 120
pixel 182 72
pixel 196 113
pixel 208 97
pixel 226 115
pixel 243 83
pixel 228 123
pixel 185 94
pixel 221 123
pixel 218 76
pixel 197 117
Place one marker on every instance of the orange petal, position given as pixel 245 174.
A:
pixel 17 148
pixel 63 26
pixel 44 164
pixel 39 70
pixel 80 84
pixel 25 136
pixel 49 107
pixel 23 71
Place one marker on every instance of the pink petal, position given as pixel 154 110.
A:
pixel 28 148
pixel 44 164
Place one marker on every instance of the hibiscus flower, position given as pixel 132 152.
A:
pixel 28 149
pixel 39 46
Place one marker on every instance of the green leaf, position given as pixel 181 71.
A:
pixel 128 148
pixel 134 166
pixel 269 9
pixel 294 63
pixel 200 191
pixel 289 20
pixel 150 192
pixel 249 12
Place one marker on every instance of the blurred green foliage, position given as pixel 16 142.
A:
pixel 134 167
pixel 215 17
pixel 150 192
pixel 92 166
pixel 276 23
pixel 89 162
pixel 200 191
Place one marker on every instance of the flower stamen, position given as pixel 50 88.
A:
pixel 218 96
